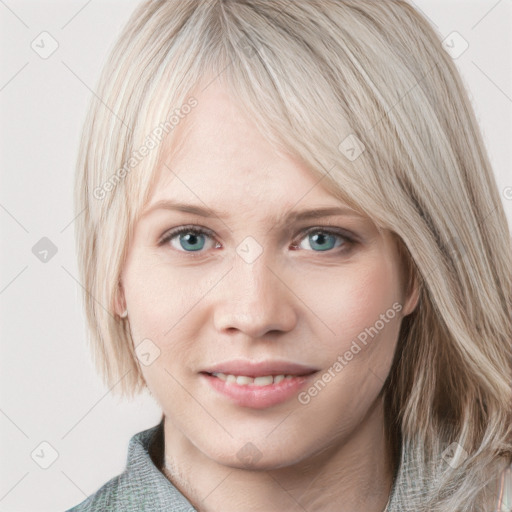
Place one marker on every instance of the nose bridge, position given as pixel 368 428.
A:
pixel 255 279
pixel 254 299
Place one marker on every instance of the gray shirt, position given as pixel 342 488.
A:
pixel 141 487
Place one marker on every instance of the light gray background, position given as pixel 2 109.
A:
pixel 50 392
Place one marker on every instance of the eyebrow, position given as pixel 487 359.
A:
pixel 292 216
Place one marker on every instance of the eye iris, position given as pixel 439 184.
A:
pixel 319 238
pixel 191 238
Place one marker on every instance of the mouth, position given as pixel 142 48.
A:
pixel 257 391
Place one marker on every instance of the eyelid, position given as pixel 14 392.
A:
pixel 171 233
pixel 333 230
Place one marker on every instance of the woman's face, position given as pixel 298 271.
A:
pixel 255 284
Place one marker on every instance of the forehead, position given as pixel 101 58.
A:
pixel 217 156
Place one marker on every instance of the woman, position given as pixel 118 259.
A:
pixel 291 235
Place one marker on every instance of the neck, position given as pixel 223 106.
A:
pixel 353 474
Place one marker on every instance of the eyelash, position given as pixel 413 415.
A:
pixel 347 245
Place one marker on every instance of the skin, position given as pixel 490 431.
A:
pixel 295 302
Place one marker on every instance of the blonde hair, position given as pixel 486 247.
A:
pixel 315 74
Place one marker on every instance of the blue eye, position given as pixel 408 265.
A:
pixel 188 239
pixel 192 239
pixel 320 240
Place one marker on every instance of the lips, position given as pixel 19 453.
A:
pixel 249 393
pixel 254 369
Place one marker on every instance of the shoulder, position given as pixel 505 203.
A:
pixel 141 486
pixel 122 493
pixel 112 496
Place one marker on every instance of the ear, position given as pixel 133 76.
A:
pixel 412 296
pixel 119 301
pixel 411 281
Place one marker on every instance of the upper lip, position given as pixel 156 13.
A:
pixel 259 368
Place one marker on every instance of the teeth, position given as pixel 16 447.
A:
pixel 262 381
pixel 243 380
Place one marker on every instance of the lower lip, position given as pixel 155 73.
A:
pixel 258 397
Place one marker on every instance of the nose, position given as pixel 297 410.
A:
pixel 255 299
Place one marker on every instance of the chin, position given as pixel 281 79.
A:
pixel 255 456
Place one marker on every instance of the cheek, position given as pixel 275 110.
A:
pixel 355 297
pixel 362 306
pixel 160 296
pixel 165 311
